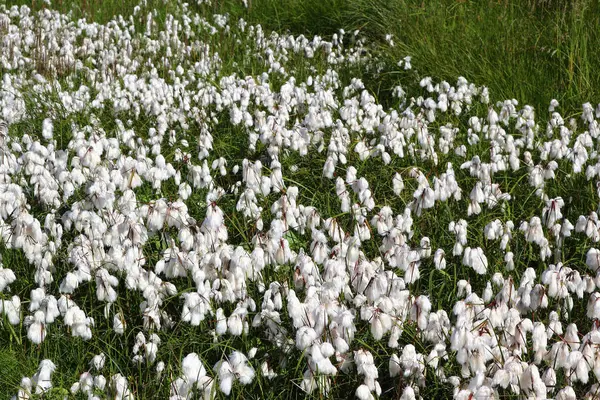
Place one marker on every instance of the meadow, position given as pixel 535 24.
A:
pixel 284 200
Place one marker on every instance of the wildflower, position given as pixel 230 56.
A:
pixel 42 378
pixel 98 361
pixel 592 259
pixel 475 259
pixel 7 276
pixel 439 259
pixel 120 387
pixel 37 327
pixel 235 368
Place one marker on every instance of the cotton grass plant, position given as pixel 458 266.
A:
pixel 193 207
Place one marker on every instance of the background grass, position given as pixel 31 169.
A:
pixel 529 50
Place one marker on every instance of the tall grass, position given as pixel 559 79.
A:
pixel 531 50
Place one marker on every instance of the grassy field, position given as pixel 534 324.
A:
pixel 531 51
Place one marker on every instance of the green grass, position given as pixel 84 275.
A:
pixel 531 50
pixel 100 11
pixel 519 49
